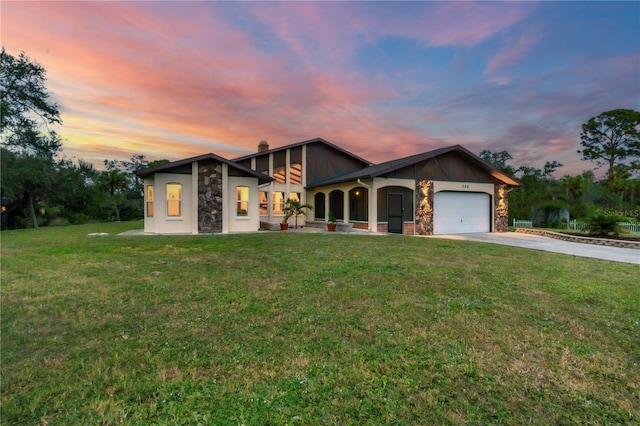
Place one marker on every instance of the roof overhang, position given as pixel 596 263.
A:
pixel 307 142
pixel 382 169
pixel 168 167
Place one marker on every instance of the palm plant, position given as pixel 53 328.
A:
pixel 295 208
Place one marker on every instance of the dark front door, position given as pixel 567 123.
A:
pixel 394 213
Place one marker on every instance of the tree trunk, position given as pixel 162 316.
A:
pixel 117 211
pixel 32 211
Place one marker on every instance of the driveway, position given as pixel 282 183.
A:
pixel 535 242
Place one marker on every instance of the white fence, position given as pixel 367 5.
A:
pixel 522 223
pixel 633 228
pixel 577 226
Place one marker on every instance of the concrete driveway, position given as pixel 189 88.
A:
pixel 534 242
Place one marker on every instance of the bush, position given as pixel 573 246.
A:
pixel 552 214
pixel 602 225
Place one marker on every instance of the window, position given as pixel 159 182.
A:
pixel 279 174
pixel 264 202
pixel 149 201
pixel 336 204
pixel 295 173
pixel 294 196
pixel 278 202
pixel 174 200
pixel 279 166
pixel 358 204
pixel 319 205
pixel 242 201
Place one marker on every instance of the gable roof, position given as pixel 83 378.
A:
pixel 307 142
pixel 393 165
pixel 262 178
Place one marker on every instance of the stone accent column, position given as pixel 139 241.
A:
pixel 209 197
pixel 424 207
pixel 501 215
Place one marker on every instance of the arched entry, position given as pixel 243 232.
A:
pixel 319 210
pixel 336 204
pixel 395 212
pixel 395 207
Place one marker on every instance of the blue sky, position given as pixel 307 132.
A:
pixel 382 79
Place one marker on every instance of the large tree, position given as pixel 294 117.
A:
pixel 612 139
pixel 24 95
pixel 26 113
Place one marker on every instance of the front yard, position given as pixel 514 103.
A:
pixel 302 328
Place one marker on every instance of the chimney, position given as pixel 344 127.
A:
pixel 263 146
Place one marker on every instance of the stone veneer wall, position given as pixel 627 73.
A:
pixel 209 197
pixel 424 208
pixel 501 215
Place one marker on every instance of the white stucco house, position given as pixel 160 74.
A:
pixel 445 191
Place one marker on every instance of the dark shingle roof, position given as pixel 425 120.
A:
pixel 293 145
pixel 262 178
pixel 393 165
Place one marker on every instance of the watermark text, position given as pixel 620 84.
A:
pixel 623 213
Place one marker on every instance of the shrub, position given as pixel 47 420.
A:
pixel 602 225
pixel 552 214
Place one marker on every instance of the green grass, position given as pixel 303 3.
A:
pixel 300 328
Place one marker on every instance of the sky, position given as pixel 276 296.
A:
pixel 384 80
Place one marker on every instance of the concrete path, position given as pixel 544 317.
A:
pixel 534 242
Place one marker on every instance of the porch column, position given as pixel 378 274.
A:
pixel 346 206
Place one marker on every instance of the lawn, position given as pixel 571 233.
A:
pixel 300 328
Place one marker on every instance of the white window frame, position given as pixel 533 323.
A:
pixel 149 194
pixel 178 200
pixel 240 201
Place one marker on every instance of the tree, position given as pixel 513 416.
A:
pixel 123 188
pixel 613 139
pixel 25 183
pixel 115 183
pixel 498 160
pixel 25 116
pixel 550 167
pixel 25 99
pixel 295 208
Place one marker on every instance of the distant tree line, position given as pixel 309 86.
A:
pixel 38 188
pixel 610 140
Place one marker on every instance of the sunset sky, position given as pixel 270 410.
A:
pixel 381 79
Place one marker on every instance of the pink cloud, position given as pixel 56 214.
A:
pixel 511 54
pixel 173 79
pixel 462 24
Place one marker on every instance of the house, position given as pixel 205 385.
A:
pixel 444 191
pixel 201 195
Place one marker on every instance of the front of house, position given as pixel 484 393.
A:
pixel 445 191
pixel 201 195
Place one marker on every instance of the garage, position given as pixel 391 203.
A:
pixel 461 212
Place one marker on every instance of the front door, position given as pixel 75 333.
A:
pixel 394 213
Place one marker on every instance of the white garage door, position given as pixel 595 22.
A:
pixel 461 212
